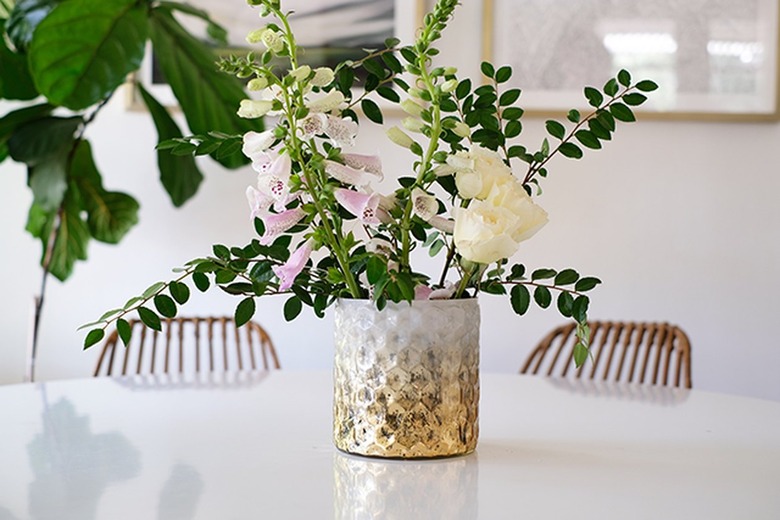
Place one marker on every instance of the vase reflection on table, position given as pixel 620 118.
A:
pixel 406 378
pixel 394 490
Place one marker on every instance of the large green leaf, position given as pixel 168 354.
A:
pixel 15 80
pixel 71 242
pixel 72 238
pixel 179 174
pixel 208 98
pixel 24 18
pixel 110 214
pixel 84 49
pixel 44 145
pixel 16 118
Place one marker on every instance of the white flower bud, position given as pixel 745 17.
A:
pixel 301 73
pixel 256 36
pixel 398 136
pixel 449 85
pixel 411 107
pixel 461 129
pixel 256 84
pixel 413 124
pixel 272 40
pixel 322 76
pixel 253 108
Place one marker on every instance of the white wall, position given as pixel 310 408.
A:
pixel 678 218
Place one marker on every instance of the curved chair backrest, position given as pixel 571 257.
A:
pixel 188 345
pixel 650 353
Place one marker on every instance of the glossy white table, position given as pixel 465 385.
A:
pixel 260 448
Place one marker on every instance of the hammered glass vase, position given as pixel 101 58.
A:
pixel 406 378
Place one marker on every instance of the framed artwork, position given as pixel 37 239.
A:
pixel 330 31
pixel 712 59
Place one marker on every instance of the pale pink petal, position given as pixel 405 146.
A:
pixel 422 292
pixel 444 293
pixel 258 202
pixel 274 183
pixel 257 143
pixel 262 161
pixel 346 174
pixel 277 223
pixel 312 125
pixel 362 205
pixel 369 163
pixel 425 205
pixel 341 131
pixel 442 224
pixel 293 266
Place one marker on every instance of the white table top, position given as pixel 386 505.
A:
pixel 260 448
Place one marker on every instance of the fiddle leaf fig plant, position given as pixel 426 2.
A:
pixel 66 81
pixel 61 61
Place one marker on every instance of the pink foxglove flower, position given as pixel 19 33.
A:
pixel 275 182
pixel 294 265
pixel 277 223
pixel 362 205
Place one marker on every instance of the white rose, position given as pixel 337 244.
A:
pixel 478 171
pixel 492 229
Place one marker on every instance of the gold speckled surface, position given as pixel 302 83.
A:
pixel 406 379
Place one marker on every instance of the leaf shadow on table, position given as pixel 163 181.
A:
pixel 5 514
pixel 73 466
pixel 180 493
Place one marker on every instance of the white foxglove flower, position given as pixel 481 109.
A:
pixel 256 143
pixel 424 204
pixel 341 131
pixel 325 102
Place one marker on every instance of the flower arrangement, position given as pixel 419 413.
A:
pixel 325 234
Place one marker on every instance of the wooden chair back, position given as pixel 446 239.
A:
pixel 188 345
pixel 649 353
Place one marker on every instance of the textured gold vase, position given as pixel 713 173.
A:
pixel 406 378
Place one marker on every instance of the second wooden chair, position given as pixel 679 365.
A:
pixel 650 353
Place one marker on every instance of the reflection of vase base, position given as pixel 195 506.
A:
pixel 384 456
pixel 370 488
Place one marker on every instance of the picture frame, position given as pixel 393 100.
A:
pixel 712 59
pixel 322 19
